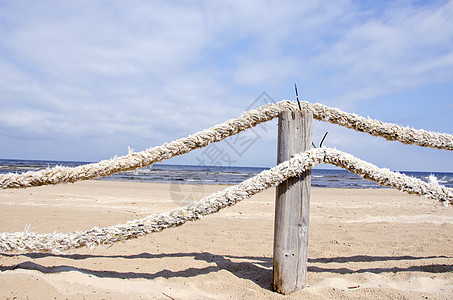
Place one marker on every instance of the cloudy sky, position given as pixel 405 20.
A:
pixel 85 80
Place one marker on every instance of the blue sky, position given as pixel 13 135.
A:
pixel 85 80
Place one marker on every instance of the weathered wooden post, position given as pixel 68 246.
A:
pixel 292 206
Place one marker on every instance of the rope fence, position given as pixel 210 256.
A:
pixel 28 241
pixel 296 165
pixel 218 133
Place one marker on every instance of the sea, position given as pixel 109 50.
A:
pixel 196 174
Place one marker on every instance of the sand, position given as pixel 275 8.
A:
pixel 371 244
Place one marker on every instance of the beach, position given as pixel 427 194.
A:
pixel 363 243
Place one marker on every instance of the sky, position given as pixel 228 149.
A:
pixel 90 80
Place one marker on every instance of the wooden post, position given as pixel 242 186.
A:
pixel 292 206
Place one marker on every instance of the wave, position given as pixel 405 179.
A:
pixel 186 174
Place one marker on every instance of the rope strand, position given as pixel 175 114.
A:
pixel 28 241
pixel 219 132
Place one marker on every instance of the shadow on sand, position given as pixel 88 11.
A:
pixel 255 269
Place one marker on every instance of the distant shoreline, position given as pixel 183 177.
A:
pixel 214 175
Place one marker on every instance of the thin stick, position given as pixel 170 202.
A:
pixel 297 97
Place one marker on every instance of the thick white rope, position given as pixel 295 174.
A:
pixel 299 163
pixel 219 132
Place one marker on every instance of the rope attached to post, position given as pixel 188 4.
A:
pixel 219 132
pixel 28 241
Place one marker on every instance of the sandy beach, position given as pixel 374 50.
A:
pixel 368 243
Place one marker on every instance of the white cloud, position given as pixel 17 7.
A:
pixel 140 73
pixel 89 39
pixel 404 47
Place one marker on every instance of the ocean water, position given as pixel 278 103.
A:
pixel 165 173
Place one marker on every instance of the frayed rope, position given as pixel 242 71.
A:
pixel 299 163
